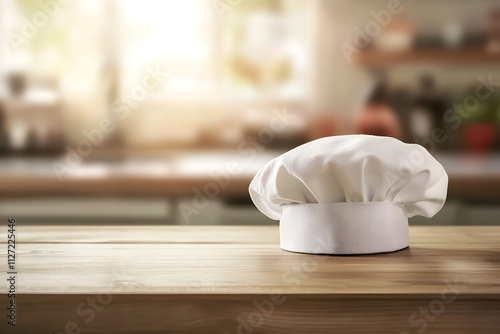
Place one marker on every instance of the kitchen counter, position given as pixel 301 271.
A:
pixel 171 174
pixel 176 174
pixel 201 279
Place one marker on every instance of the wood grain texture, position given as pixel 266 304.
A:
pixel 127 234
pixel 235 314
pixel 183 279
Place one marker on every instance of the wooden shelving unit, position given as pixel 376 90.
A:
pixel 374 58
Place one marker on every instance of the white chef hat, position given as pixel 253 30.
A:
pixel 349 194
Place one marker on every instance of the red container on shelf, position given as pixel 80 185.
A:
pixel 479 137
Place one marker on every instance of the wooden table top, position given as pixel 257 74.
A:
pixel 223 279
pixel 245 260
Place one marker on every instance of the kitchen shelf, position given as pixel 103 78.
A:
pixel 374 58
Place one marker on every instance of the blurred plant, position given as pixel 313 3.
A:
pixel 496 110
pixel 479 131
pixel 485 112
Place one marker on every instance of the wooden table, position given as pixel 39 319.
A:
pixel 194 279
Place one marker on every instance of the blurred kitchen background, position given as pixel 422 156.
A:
pixel 161 112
